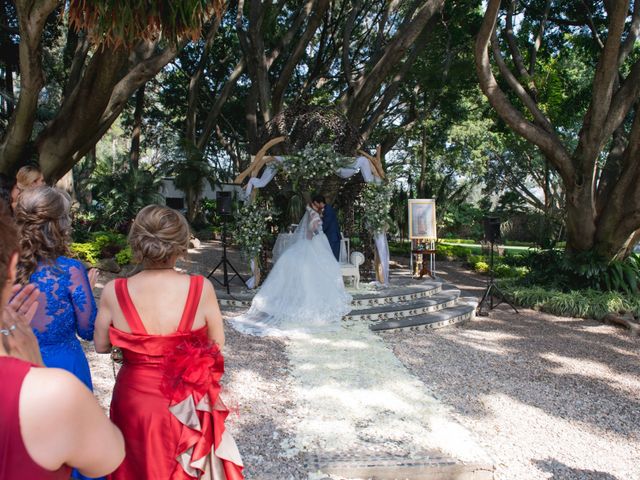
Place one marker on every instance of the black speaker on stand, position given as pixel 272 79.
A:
pixel 224 208
pixel 491 235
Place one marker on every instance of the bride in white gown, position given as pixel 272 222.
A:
pixel 304 291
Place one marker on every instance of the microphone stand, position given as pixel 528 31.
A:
pixel 225 263
pixel 492 291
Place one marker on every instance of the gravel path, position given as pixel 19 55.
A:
pixel 546 397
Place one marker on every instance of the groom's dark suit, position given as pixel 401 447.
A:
pixel 331 229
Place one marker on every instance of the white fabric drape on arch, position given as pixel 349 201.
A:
pixel 361 164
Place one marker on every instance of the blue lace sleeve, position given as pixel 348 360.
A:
pixel 84 304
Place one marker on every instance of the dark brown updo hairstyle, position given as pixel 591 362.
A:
pixel 157 234
pixel 44 224
pixel 8 243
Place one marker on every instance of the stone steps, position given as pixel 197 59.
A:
pixel 412 305
pixel 434 466
pixel 388 296
pixel 400 294
pixel 432 303
pixel 462 311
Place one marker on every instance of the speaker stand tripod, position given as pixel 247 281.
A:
pixel 225 263
pixel 492 291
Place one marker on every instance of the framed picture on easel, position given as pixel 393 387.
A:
pixel 423 235
pixel 422 219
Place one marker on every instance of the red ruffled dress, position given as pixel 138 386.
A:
pixel 166 400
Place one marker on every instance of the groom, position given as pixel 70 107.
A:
pixel 330 224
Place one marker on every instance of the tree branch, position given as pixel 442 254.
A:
pixel 548 143
pixel 299 20
pixel 393 87
pixel 294 57
pixel 195 81
pixel 346 42
pixel 592 134
pixel 538 43
pixel 212 116
pixel 513 48
pixel 539 117
pixel 31 19
pixel 371 81
pixel 96 102
pixel 632 36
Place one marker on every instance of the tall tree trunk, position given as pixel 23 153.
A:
pixel 601 217
pixel 134 152
pixel 8 87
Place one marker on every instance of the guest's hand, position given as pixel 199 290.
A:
pixel 18 338
pixel 24 301
pixel 93 276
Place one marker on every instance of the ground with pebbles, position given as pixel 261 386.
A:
pixel 547 397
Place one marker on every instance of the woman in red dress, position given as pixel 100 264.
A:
pixel 169 329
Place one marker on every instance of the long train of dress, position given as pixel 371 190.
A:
pixel 304 291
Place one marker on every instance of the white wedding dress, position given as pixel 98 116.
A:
pixel 304 291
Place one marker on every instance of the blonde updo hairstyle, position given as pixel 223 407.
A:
pixel 44 224
pixel 157 234
pixel 29 176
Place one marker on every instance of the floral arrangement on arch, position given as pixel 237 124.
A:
pixel 252 227
pixel 375 201
pixel 313 163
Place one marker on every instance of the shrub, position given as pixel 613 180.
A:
pixel 583 271
pixel 88 252
pixel 102 245
pixel 460 240
pixel 124 256
pixel 481 267
pixel 472 259
pixel 509 271
pixel 515 259
pixel 575 303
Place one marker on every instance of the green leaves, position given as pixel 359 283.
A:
pixel 575 303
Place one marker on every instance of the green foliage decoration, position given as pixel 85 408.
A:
pixel 252 227
pixel 313 163
pixel 375 201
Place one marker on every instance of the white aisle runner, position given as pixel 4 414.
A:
pixel 356 398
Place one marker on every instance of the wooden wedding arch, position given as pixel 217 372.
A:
pixel 262 159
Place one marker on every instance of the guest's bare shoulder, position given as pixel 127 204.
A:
pixel 108 292
pixel 57 390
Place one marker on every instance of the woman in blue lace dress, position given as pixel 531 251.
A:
pixel 66 305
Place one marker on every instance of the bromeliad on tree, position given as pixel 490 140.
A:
pixel 123 23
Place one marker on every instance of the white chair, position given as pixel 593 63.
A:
pixel 352 269
pixel 345 249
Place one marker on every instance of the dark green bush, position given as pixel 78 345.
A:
pixel 102 245
pixel 552 268
pixel 574 303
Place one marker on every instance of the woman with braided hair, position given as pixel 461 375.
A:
pixel 66 304
pixel 66 307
